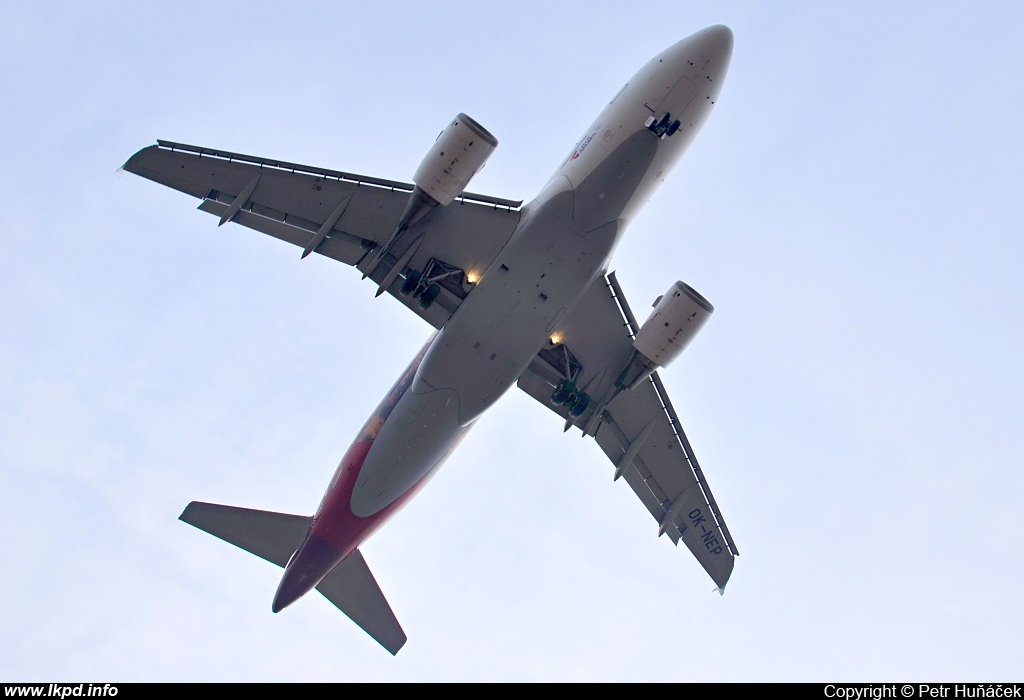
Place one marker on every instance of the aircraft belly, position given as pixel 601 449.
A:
pixel 505 321
pixel 615 182
pixel 414 440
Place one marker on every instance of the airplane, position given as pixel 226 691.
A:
pixel 518 295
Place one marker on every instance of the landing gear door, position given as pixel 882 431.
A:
pixel 659 92
pixel 678 98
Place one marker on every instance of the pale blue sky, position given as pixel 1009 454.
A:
pixel 853 209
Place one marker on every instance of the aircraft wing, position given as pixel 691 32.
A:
pixel 342 216
pixel 637 429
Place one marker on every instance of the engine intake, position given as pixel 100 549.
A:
pixel 457 155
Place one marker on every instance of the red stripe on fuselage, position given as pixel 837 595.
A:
pixel 335 522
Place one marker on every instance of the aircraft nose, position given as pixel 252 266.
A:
pixel 716 41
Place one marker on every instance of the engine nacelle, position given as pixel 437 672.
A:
pixel 678 315
pixel 459 152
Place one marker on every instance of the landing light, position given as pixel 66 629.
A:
pixel 472 277
pixel 556 339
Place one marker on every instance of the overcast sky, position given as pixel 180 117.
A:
pixel 852 208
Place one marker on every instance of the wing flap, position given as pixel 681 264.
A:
pixel 340 246
pixel 660 452
pixel 614 441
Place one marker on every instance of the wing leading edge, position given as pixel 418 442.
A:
pixel 344 216
pixel 637 429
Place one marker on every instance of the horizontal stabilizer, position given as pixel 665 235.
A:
pixel 275 536
pixel 270 536
pixel 352 588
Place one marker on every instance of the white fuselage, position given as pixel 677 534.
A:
pixel 563 243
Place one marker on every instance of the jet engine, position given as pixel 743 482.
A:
pixel 678 315
pixel 459 152
pixel 457 155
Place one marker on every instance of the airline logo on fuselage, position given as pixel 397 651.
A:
pixel 583 145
